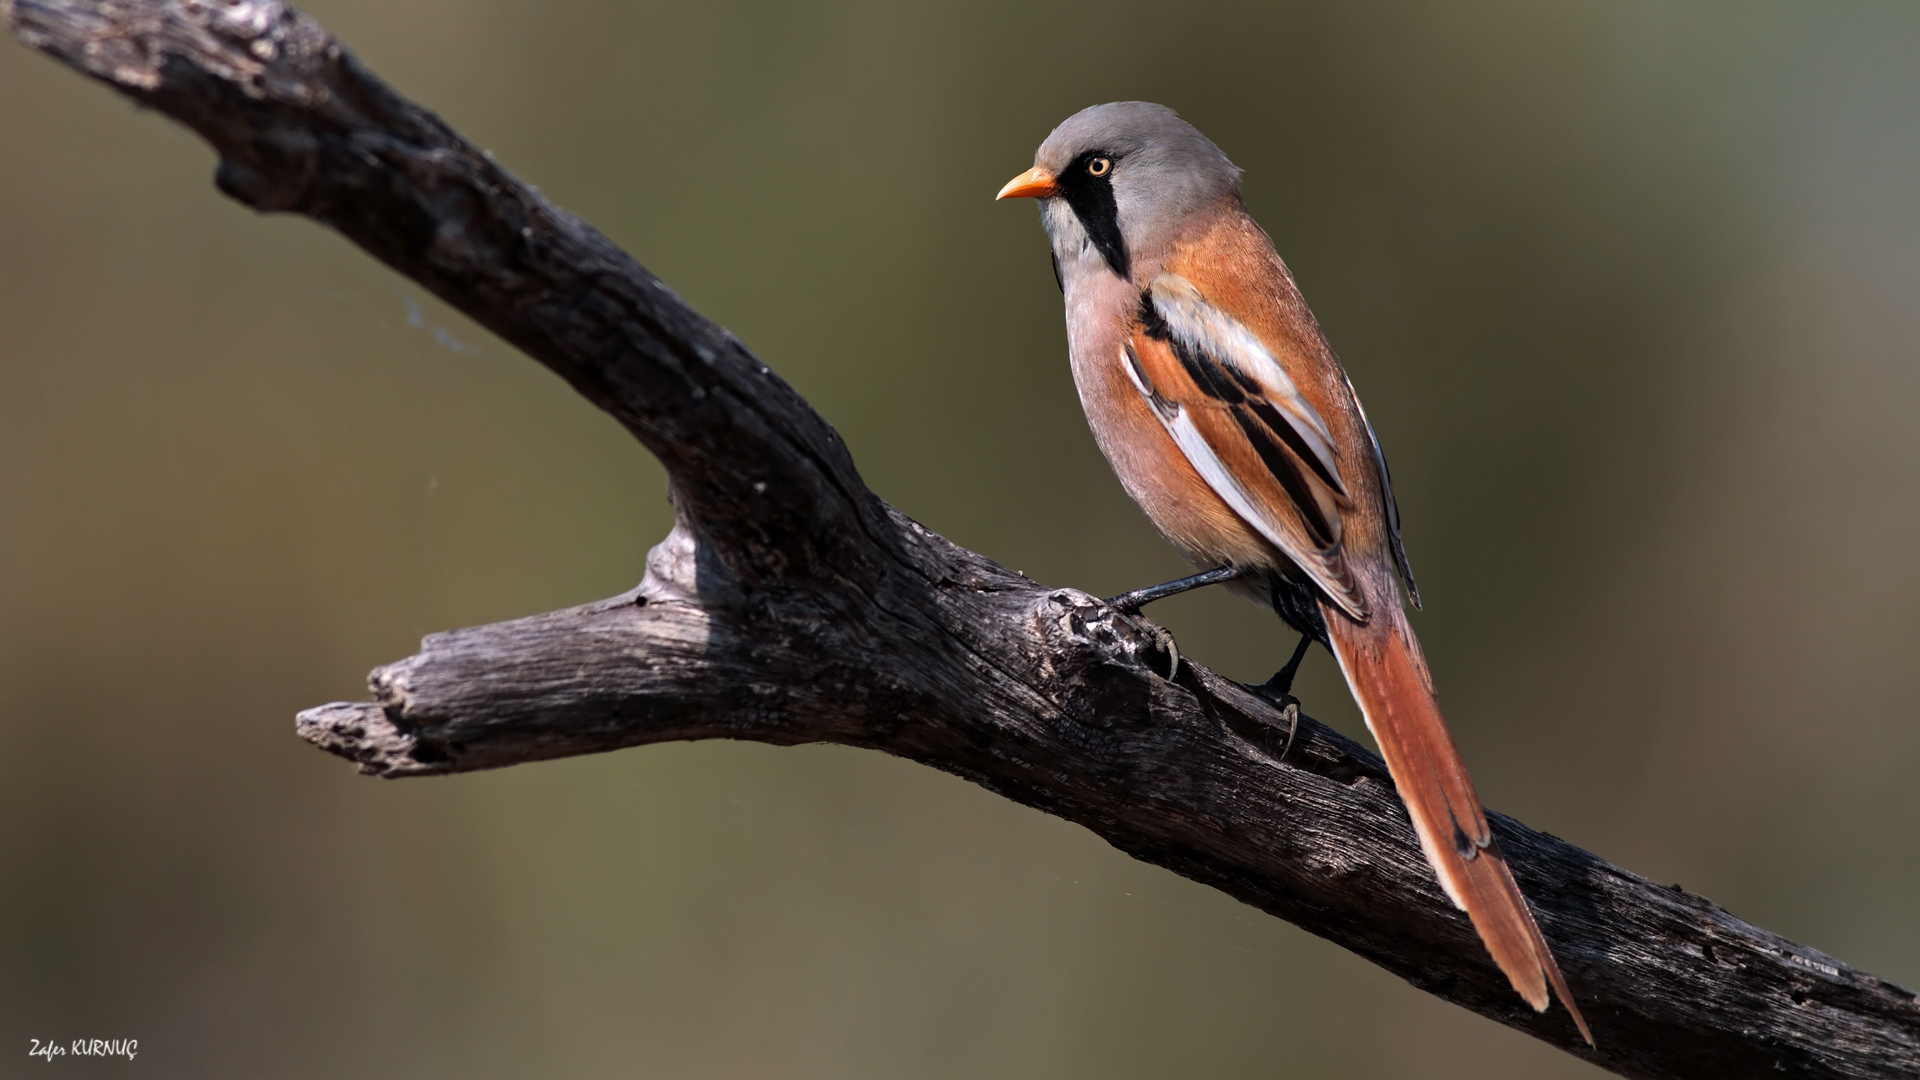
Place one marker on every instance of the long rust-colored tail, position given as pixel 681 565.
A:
pixel 1389 678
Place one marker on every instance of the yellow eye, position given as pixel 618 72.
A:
pixel 1100 166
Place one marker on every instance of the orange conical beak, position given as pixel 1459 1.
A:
pixel 1035 183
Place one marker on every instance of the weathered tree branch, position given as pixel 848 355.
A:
pixel 791 605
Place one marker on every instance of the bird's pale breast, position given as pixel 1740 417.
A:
pixel 1152 469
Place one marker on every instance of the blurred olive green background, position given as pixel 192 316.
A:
pixel 1631 290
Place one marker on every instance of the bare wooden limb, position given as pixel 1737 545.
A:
pixel 791 605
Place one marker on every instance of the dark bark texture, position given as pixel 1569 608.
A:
pixel 790 605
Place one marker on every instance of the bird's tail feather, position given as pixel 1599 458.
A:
pixel 1388 675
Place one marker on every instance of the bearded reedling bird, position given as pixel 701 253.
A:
pixel 1214 396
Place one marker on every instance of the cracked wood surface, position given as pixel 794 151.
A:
pixel 791 605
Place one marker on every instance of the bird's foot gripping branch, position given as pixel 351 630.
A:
pixel 791 605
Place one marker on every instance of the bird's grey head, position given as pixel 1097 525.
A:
pixel 1122 180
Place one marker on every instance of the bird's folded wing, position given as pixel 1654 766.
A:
pixel 1242 423
pixel 1387 501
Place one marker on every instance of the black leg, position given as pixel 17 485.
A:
pixel 1281 685
pixel 1132 602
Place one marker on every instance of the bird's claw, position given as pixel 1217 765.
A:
pixel 1169 646
pixel 1288 705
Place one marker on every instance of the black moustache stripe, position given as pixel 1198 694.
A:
pixel 1091 199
